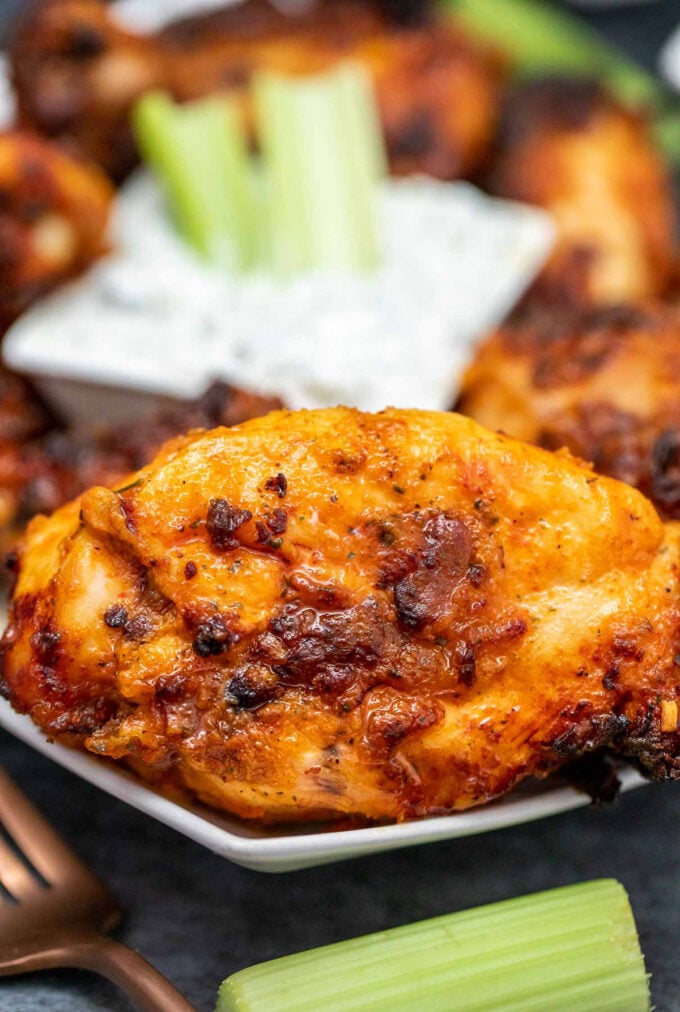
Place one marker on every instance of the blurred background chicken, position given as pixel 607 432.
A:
pixel 322 614
pixel 77 73
pixel 590 360
pixel 54 211
pixel 604 382
pixel 566 145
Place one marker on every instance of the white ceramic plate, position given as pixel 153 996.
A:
pixel 277 850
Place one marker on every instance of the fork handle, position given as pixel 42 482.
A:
pixel 87 949
pixel 142 982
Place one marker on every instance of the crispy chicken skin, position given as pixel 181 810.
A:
pixel 54 213
pixel 603 382
pixel 569 147
pixel 327 613
pixel 77 73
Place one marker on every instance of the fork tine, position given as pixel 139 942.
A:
pixel 14 875
pixel 44 848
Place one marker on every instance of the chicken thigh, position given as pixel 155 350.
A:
pixel 327 613
pixel 568 146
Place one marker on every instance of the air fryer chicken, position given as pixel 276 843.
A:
pixel 329 613
pixel 77 73
pixel 45 466
pixel 53 216
pixel 569 147
pixel 603 382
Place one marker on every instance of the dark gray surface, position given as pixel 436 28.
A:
pixel 640 28
pixel 199 918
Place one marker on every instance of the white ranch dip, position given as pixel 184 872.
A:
pixel 152 317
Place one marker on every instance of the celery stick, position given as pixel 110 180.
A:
pixel 557 951
pixel 322 145
pixel 232 166
pixel 285 169
pixel 339 197
pixel 199 153
pixel 362 120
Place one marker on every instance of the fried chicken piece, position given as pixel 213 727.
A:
pixel 43 468
pixel 77 73
pixel 567 146
pixel 329 613
pixel 53 216
pixel 22 420
pixel 604 382
pixel 54 213
pixel 22 415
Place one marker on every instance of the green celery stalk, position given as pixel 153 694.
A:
pixel 556 951
pixel 366 141
pixel 288 239
pixel 322 147
pixel 542 39
pixel 199 153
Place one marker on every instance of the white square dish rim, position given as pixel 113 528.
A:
pixel 271 850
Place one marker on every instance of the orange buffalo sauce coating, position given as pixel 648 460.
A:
pixel 327 613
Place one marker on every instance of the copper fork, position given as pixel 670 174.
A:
pixel 55 913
